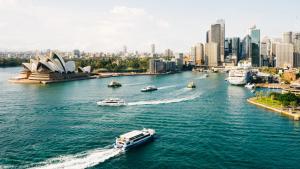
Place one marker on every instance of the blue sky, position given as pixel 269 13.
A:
pixel 96 25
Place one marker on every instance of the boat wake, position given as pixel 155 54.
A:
pixel 164 101
pixel 134 84
pixel 201 77
pixel 79 161
pixel 166 87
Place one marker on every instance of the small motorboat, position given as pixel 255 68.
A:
pixel 191 85
pixel 149 89
pixel 134 138
pixel 114 84
pixel 250 86
pixel 206 75
pixel 112 102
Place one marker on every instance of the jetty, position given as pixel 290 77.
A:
pixel 295 115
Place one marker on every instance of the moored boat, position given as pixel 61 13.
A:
pixel 134 138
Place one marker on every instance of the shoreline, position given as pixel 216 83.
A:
pixel 118 74
pixel 27 81
pixel 294 116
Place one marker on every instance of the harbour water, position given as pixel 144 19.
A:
pixel 212 126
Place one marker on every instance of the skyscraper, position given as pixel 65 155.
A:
pixel 193 55
pixel 211 53
pixel 236 47
pixel 199 60
pixel 215 37
pixel 255 42
pixel 246 48
pixel 287 37
pixel 222 39
pixel 284 55
pixel 153 49
pixel 296 43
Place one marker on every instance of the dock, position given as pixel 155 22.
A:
pixel 295 115
pixel 272 85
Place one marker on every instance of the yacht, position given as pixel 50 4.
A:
pixel 134 138
pixel 114 84
pixel 112 102
pixel 191 85
pixel 149 89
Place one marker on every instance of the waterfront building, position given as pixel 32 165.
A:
pixel 179 60
pixel 215 37
pixel 199 57
pixel 284 55
pixel 51 68
pixel 157 66
pixel 193 55
pixel 211 54
pixel 255 46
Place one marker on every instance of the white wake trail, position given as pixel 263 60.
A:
pixel 164 101
pixel 79 161
pixel 166 87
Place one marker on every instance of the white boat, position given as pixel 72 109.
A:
pixel 134 138
pixel 112 102
pixel 239 76
pixel 250 86
pixel 149 89
pixel 114 84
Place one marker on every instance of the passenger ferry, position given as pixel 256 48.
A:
pixel 191 85
pixel 114 84
pixel 134 138
pixel 112 102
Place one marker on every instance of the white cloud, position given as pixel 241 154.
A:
pixel 28 26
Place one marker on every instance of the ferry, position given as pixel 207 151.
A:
pixel 112 102
pixel 149 89
pixel 134 138
pixel 240 75
pixel 114 84
pixel 191 85
pixel 250 86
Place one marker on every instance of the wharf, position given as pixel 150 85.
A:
pixel 295 115
pixel 272 85
pixel 27 81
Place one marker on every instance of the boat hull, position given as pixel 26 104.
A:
pixel 136 144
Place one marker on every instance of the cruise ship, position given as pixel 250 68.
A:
pixel 241 74
pixel 134 138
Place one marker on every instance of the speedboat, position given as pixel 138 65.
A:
pixel 112 102
pixel 250 86
pixel 191 85
pixel 114 84
pixel 149 89
pixel 134 138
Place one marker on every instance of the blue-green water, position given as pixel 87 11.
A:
pixel 212 126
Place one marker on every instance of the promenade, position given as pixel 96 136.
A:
pixel 295 115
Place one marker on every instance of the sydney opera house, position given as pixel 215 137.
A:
pixel 49 69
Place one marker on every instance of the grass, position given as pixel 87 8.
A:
pixel 268 102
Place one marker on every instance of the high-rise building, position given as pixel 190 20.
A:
pixel 124 49
pixel 235 46
pixel 222 39
pixel 199 57
pixel 215 37
pixel 255 43
pixel 208 36
pixel 76 53
pixel 266 52
pixel 287 37
pixel 284 55
pixel 211 54
pixel 193 55
pixel 297 50
pixel 168 53
pixel 246 48
pixel 153 49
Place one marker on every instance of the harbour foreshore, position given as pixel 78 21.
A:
pixel 272 85
pixel 294 115
pixel 27 81
pixel 116 74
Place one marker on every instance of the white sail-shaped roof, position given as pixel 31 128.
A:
pixel 70 66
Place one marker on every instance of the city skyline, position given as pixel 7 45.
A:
pixel 109 26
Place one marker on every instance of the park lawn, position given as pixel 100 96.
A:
pixel 268 102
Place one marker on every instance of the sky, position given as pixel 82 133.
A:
pixel 108 25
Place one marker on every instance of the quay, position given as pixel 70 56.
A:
pixel 272 85
pixel 295 115
pixel 28 81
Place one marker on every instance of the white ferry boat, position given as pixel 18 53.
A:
pixel 112 102
pixel 250 86
pixel 134 138
pixel 239 76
